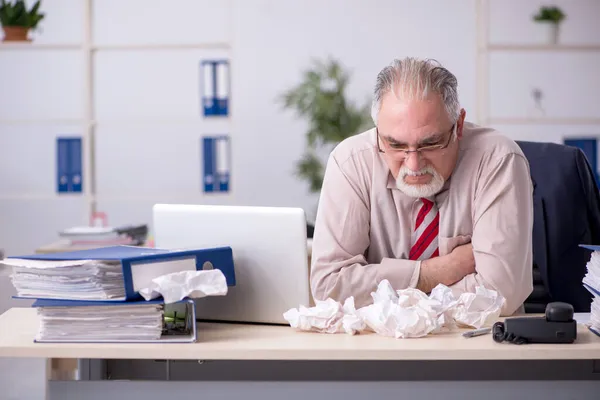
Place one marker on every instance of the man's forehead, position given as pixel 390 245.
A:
pixel 412 119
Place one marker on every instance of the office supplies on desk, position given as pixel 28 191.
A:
pixel 557 326
pixel 114 273
pixel 477 332
pixel 115 322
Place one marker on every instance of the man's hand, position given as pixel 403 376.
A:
pixel 462 261
pixel 447 269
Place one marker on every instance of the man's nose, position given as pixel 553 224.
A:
pixel 413 161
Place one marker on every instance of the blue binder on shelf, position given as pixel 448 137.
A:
pixel 69 165
pixel 179 321
pixel 216 163
pixel 215 87
pixel 139 265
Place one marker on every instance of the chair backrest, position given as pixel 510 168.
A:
pixel 566 214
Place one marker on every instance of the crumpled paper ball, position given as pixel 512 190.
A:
pixel 405 313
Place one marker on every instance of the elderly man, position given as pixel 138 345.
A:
pixel 423 198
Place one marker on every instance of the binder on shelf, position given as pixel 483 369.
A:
pixel 216 161
pixel 153 321
pixel 215 87
pixel 113 273
pixel 69 165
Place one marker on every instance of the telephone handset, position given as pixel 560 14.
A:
pixel 557 326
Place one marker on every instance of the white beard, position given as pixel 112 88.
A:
pixel 419 190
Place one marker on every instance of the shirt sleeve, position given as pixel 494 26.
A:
pixel 341 239
pixel 502 233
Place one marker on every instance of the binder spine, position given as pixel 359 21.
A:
pixel 130 293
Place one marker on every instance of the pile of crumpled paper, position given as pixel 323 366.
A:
pixel 406 313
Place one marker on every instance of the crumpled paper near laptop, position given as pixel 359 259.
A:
pixel 406 313
pixel 192 284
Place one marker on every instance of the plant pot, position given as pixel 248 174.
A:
pixel 15 34
pixel 549 32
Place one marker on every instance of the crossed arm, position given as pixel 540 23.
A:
pixel 499 256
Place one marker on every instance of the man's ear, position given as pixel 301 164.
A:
pixel 460 123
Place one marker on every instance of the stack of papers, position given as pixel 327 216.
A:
pixel 591 281
pixel 70 280
pixel 138 322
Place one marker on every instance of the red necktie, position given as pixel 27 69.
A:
pixel 425 236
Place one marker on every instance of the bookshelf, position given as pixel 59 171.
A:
pixel 484 51
pixel 87 126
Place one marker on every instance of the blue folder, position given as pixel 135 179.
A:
pixel 221 258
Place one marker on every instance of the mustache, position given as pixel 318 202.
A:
pixel 404 171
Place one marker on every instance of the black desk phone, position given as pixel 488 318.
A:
pixel 557 326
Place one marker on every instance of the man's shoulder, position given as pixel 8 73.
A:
pixel 357 147
pixel 488 143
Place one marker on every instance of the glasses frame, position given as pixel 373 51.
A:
pixel 432 148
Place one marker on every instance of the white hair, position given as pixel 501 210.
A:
pixel 417 79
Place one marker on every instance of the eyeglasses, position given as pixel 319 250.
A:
pixel 400 151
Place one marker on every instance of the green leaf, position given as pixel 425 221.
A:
pixel 551 14
pixel 16 14
pixel 320 98
pixel 311 168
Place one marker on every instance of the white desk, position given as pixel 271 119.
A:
pixel 259 342
pixel 248 345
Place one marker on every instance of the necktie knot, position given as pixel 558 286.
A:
pixel 426 202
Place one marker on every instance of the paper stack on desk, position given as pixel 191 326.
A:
pixel 77 279
pixel 142 321
pixel 591 281
pixel 120 293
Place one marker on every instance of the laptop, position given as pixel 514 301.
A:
pixel 270 255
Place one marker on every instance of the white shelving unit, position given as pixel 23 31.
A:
pixel 15 46
pixel 88 123
pixel 485 48
pixel 534 47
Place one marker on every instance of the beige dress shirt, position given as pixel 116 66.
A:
pixel 364 223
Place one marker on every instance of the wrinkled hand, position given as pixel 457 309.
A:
pixel 462 260
pixel 447 269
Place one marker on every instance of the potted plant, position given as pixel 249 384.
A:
pixel 17 21
pixel 550 18
pixel 321 98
